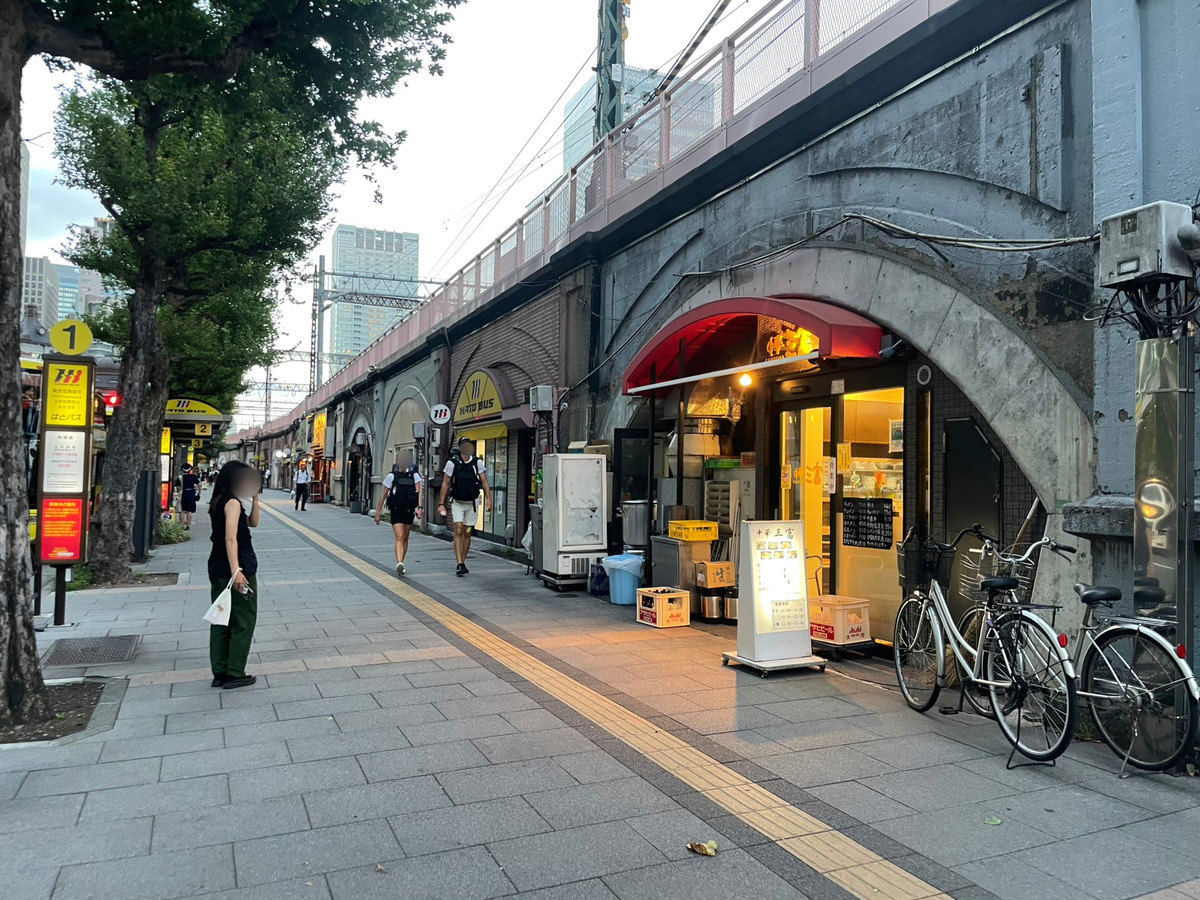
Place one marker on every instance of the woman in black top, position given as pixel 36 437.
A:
pixel 234 511
pixel 189 484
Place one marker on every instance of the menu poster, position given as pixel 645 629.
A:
pixel 778 552
pixel 65 465
pixel 867 522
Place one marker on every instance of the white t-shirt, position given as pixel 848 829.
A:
pixel 479 466
pixel 387 480
pixel 302 476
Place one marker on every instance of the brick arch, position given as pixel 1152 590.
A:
pixel 991 362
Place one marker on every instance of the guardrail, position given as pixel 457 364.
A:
pixel 785 52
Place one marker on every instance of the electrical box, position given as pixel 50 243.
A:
pixel 541 398
pixel 435 437
pixel 1141 245
pixel 418 431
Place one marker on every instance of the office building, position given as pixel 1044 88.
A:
pixel 68 291
pixel 39 295
pixel 368 262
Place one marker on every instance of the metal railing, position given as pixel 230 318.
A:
pixel 778 53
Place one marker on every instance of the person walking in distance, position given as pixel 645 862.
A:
pixel 234 511
pixel 464 477
pixel 402 494
pixel 189 493
pixel 302 480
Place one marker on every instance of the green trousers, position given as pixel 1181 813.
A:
pixel 229 645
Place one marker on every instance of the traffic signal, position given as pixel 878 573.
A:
pixel 112 398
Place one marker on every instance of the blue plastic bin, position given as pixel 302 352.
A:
pixel 624 577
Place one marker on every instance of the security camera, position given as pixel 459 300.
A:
pixel 371 368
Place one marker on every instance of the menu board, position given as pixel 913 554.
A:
pixel 778 551
pixel 65 462
pixel 867 522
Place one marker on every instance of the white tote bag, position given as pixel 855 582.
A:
pixel 218 613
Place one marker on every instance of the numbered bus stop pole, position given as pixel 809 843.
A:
pixel 60 595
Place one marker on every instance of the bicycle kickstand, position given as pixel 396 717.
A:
pixel 1028 762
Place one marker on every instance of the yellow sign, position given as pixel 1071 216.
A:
pixel 71 337
pixel 791 341
pixel 164 445
pixel 181 407
pixel 318 435
pixel 68 395
pixel 196 442
pixel 843 457
pixel 204 429
pixel 479 399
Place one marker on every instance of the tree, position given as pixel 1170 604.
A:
pixel 213 190
pixel 332 53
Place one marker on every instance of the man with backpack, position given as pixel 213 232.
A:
pixel 402 495
pixel 464 477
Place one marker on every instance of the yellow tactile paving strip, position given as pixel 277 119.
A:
pixel 847 863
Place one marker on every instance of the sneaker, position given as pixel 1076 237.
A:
pixel 461 570
pixel 219 680
pixel 243 681
pixel 399 569
pixel 466 571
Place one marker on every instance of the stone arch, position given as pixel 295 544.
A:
pixel 1009 381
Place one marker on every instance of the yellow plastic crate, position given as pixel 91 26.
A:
pixel 692 530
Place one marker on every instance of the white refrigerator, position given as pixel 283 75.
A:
pixel 574 524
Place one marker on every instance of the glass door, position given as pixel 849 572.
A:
pixel 807 483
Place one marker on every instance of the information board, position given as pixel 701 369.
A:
pixel 65 459
pixel 773 624
pixel 62 527
pixel 867 522
pixel 64 470
pixel 67 401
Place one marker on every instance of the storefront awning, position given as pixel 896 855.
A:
pixel 723 324
pixel 483 432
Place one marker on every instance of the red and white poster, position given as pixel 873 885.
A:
pixel 62 524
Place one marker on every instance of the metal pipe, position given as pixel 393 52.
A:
pixel 679 429
pixel 651 484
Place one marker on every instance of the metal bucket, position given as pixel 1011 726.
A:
pixel 731 606
pixel 711 606
pixel 635 523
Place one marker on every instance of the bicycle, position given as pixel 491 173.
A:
pixel 1140 691
pixel 1017 657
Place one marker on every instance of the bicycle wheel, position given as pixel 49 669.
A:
pixel 977 694
pixel 917 651
pixel 1033 695
pixel 1149 712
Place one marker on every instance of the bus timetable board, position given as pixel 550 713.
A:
pixel 64 460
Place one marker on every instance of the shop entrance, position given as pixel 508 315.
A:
pixel 842 473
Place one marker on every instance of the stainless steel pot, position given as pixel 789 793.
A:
pixel 711 606
pixel 731 606
pixel 635 523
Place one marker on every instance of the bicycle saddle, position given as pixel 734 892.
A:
pixel 1093 594
pixel 999 584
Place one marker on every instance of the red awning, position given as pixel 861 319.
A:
pixel 722 324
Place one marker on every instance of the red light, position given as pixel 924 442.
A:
pixel 112 398
pixel 1181 651
pixel 1062 640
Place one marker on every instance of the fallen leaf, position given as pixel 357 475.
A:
pixel 379 868
pixel 992 820
pixel 708 849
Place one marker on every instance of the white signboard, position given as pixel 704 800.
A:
pixel 66 462
pixel 440 414
pixel 165 463
pixel 773 624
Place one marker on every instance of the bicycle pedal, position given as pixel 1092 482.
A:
pixel 949 710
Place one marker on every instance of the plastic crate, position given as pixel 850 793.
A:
pixel 664 607
pixel 839 620
pixel 692 530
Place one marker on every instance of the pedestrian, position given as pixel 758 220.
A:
pixel 464 477
pixel 302 480
pixel 266 477
pixel 402 494
pixel 189 493
pixel 234 511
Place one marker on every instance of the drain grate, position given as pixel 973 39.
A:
pixel 91 651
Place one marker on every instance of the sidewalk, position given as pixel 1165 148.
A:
pixel 477 737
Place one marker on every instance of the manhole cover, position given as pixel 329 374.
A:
pixel 91 651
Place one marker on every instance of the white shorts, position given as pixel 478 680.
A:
pixel 464 511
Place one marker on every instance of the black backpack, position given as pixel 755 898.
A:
pixel 464 479
pixel 403 493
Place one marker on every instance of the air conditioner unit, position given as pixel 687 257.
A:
pixel 541 398
pixel 1142 245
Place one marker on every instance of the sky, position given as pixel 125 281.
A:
pixel 508 74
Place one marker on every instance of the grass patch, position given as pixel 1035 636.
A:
pixel 82 578
pixel 171 532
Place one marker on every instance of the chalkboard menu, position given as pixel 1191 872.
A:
pixel 867 522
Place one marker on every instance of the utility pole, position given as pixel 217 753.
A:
pixel 267 396
pixel 610 67
pixel 318 315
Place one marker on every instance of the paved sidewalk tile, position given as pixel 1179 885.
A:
pixel 153 799
pixel 164 876
pixel 233 822
pixel 573 855
pixel 364 802
pixel 294 778
pixel 463 875
pixel 464 826
pixel 315 852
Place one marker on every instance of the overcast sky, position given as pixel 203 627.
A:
pixel 506 70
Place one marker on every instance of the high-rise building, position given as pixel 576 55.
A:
pixel 68 291
pixel 694 113
pixel 24 195
pixel 373 262
pixel 39 294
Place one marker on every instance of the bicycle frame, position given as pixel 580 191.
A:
pixel 1089 635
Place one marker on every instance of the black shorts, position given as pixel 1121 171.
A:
pixel 402 515
pixel 187 501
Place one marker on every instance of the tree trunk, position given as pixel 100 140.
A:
pixel 20 671
pixel 133 435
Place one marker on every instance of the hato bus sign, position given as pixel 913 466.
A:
pixel 440 414
pixel 64 464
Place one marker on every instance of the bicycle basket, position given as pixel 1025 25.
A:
pixel 922 561
pixel 986 564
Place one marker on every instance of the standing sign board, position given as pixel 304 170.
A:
pixel 773 628
pixel 64 460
